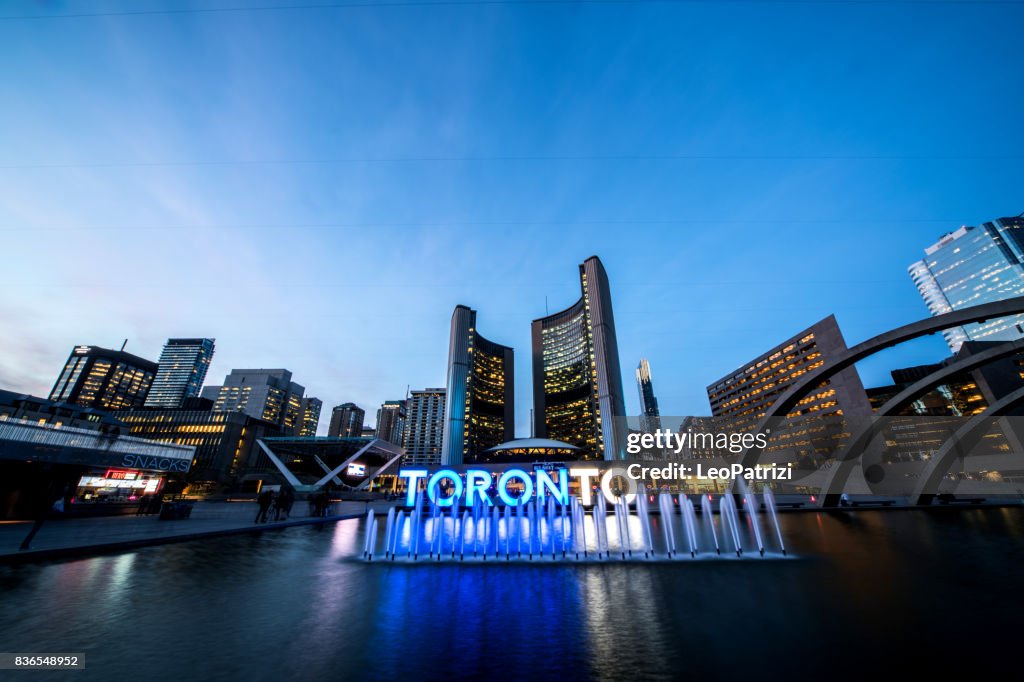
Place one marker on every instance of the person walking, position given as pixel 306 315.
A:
pixel 289 500
pixel 281 504
pixel 265 499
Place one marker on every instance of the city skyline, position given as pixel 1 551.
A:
pixel 320 191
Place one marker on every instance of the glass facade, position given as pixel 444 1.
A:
pixel 346 421
pixel 569 380
pixel 311 408
pixel 650 417
pixel 971 266
pixel 182 371
pixel 480 396
pixel 488 389
pixel 267 394
pixel 577 382
pixel 391 421
pixel 104 379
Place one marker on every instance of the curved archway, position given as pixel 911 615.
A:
pixel 858 447
pixel 971 432
pixel 893 337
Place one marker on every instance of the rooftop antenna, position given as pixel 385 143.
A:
pixel 124 344
pixel 545 306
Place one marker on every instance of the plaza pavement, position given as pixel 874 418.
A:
pixel 61 538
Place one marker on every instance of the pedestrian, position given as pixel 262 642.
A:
pixel 289 500
pixel 280 504
pixel 265 499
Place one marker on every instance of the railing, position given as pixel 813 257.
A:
pixel 23 431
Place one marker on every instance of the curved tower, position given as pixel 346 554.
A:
pixel 577 381
pixel 480 400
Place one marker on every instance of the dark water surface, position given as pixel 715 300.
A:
pixel 874 594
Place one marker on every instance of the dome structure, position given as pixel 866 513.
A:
pixel 531 450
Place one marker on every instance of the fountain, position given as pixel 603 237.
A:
pixel 541 529
pixel 769 504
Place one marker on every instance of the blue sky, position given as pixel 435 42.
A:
pixel 317 188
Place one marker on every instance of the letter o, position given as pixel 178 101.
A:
pixel 432 487
pixel 527 487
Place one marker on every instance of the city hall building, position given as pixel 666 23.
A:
pixel 577 382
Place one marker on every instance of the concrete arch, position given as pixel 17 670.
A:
pixel 858 448
pixel 893 337
pixel 970 433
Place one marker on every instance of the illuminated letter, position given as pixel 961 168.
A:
pixel 561 491
pixel 585 475
pixel 527 487
pixel 477 483
pixel 606 486
pixel 413 476
pixel 432 487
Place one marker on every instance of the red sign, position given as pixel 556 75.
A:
pixel 121 475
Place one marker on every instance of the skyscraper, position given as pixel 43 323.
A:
pixel 346 421
pixel 577 381
pixel 267 394
pixel 424 427
pixel 182 370
pixel 311 408
pixel 480 398
pixel 103 378
pixel 971 266
pixel 391 421
pixel 650 417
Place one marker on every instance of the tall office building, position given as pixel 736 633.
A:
pixel 182 370
pixel 424 427
pixel 391 421
pixel 650 417
pixel 971 266
pixel 267 394
pixel 310 421
pixel 104 379
pixel 346 421
pixel 577 381
pixel 480 397
pixel 742 397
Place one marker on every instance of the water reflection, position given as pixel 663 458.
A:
pixel 292 605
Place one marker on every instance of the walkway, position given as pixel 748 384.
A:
pixel 81 537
